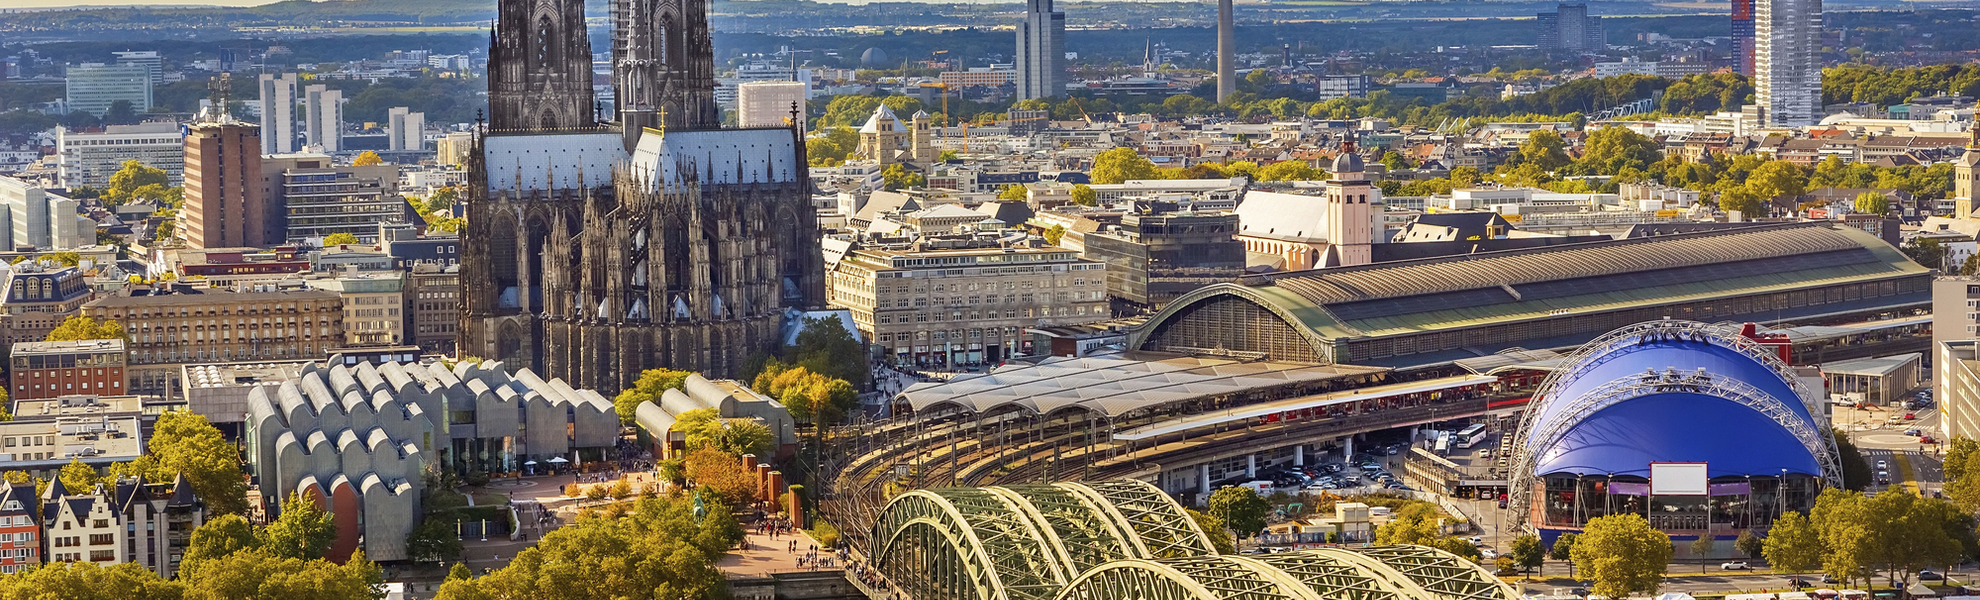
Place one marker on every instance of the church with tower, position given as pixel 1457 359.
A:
pixel 601 245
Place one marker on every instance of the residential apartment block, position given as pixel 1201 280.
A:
pixel 52 369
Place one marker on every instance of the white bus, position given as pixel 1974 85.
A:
pixel 1471 436
pixel 1443 442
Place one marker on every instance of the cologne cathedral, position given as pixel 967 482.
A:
pixel 598 246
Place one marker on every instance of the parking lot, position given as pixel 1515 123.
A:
pixel 1369 470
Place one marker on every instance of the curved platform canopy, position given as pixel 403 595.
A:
pixel 1113 386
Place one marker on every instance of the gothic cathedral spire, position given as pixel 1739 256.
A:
pixel 539 74
pixel 663 64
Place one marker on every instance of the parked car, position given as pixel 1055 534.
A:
pixel 1735 566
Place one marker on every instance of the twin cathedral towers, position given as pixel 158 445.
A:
pixel 595 249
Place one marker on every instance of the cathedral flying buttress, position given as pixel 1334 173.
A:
pixel 594 251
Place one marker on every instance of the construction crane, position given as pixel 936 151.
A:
pixel 1082 109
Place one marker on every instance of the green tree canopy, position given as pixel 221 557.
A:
pixel 1777 179
pixel 1748 545
pixel 1563 547
pixel 1872 203
pixel 130 178
pixel 810 396
pixel 658 550
pixel 340 238
pixel 1623 555
pixel 1013 193
pixel 1610 150
pixel 183 442
pixel 1527 553
pixel 652 383
pixel 826 346
pixel 1240 507
pixel 705 428
pixel 1121 164
pixel 896 176
pixel 1544 149
pixel 304 531
pixel 1084 195
pixel 1792 545
pixel 1220 536
pixel 1290 170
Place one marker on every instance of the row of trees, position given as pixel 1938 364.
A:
pixel 659 549
pixel 1124 163
pixel 1852 537
pixel 1886 86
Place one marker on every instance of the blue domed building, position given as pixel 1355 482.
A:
pixel 1734 436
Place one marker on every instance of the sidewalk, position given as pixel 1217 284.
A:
pixel 766 555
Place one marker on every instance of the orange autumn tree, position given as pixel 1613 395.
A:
pixel 723 474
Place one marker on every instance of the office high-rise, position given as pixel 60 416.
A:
pixel 1787 69
pixel 278 113
pixel 225 204
pixel 94 87
pixel 1570 28
pixel 1226 50
pixel 403 127
pixel 323 117
pixel 1041 52
pixel 1742 37
pixel 149 59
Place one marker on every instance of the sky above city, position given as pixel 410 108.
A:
pixel 6 4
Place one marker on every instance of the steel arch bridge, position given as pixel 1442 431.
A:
pixel 1377 573
pixel 1025 542
pixel 1126 540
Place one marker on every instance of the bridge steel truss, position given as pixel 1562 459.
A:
pixel 1532 439
pixel 1378 573
pixel 1126 540
pixel 1024 542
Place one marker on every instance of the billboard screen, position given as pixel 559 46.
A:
pixel 1678 479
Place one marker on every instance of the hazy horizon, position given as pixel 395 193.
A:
pixel 6 4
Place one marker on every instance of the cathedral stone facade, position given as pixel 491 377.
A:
pixel 595 250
